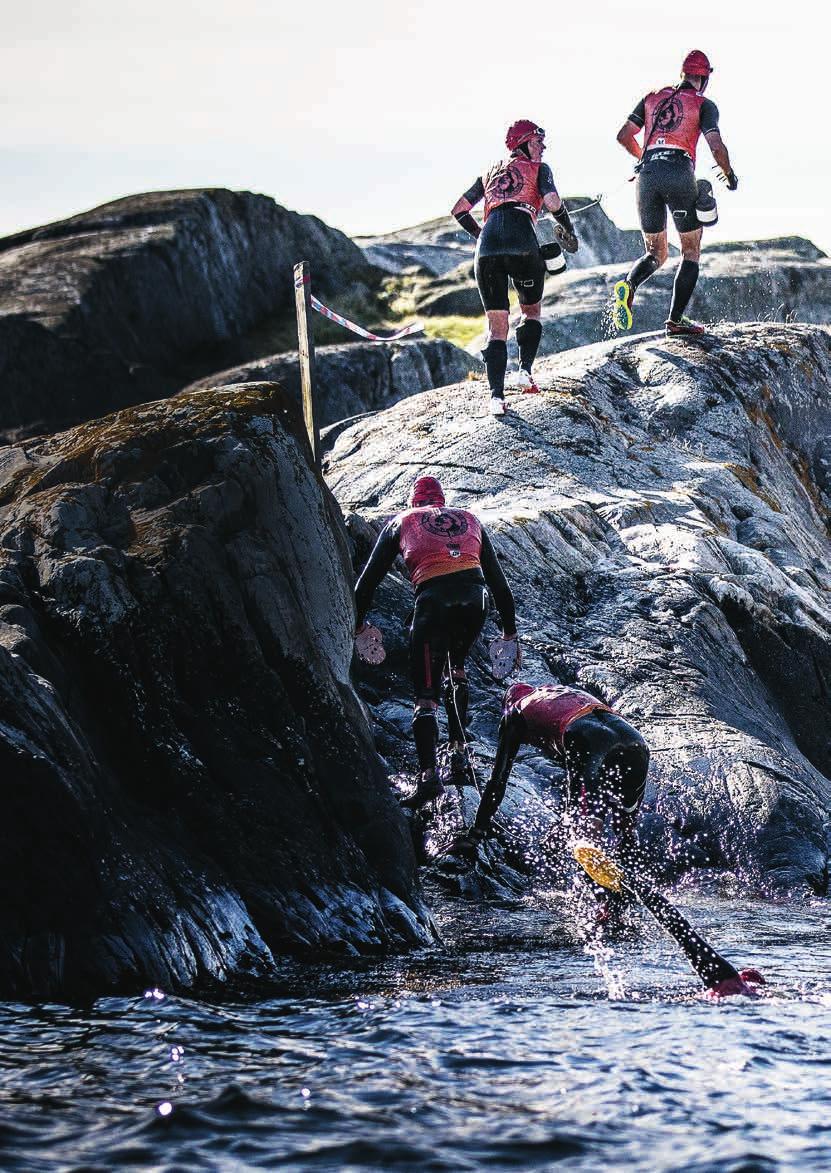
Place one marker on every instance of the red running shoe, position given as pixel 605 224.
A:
pixel 686 328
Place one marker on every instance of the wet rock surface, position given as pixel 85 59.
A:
pixel 662 513
pixel 132 300
pixel 359 377
pixel 189 782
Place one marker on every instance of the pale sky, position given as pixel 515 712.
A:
pixel 375 115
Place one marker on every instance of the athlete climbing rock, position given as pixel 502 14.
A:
pixel 606 762
pixel 515 191
pixel 605 758
pixel 672 119
pixel 451 561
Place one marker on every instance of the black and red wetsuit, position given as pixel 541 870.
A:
pixel 507 247
pixel 673 119
pixel 605 758
pixel 452 565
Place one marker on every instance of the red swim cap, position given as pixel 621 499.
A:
pixel 427 491
pixel 697 63
pixel 520 132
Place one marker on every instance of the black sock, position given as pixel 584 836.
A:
pixel 642 270
pixel 682 290
pixel 528 337
pixel 495 356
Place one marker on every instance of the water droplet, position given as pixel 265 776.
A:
pixel 305 1093
pixel 165 1108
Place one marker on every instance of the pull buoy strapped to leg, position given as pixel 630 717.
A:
pixel 506 656
pixel 368 645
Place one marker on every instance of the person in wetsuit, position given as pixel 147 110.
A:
pixel 515 191
pixel 452 565
pixel 605 758
pixel 606 762
pixel 672 119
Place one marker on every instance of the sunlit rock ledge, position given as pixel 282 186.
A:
pixel 662 513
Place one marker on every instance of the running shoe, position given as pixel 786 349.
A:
pixel 686 328
pixel 624 296
pixel 498 406
pixel 427 787
pixel 523 381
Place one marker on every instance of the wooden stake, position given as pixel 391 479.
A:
pixel 306 350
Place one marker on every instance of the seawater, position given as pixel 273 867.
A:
pixel 505 1049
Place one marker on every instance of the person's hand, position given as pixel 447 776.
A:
pixel 730 179
pixel 567 239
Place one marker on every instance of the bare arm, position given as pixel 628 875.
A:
pixel 627 136
pixel 719 151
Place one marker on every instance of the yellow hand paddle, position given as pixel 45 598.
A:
pixel 598 866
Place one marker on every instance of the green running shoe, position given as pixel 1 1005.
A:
pixel 622 305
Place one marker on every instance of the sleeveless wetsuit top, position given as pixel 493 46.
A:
pixel 679 119
pixel 436 540
pixel 549 710
pixel 513 181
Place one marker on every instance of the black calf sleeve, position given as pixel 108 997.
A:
pixel 495 356
pixel 528 337
pixel 426 734
pixel 682 290
pixel 642 270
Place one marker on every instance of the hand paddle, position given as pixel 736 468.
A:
pixel 506 656
pixel 368 645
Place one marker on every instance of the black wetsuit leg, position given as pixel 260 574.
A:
pixel 666 179
pixel 449 613
pixel 606 764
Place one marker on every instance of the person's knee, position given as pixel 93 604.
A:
pixel 531 313
pixel 659 252
pixel 691 252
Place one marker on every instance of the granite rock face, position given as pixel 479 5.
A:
pixel 361 376
pixel 189 782
pixel 745 281
pixel 132 300
pixel 662 513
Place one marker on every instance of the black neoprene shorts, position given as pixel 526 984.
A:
pixel 448 616
pixel 606 763
pixel 507 250
pixel 667 180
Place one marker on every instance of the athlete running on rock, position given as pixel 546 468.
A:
pixel 515 191
pixel 451 562
pixel 605 758
pixel 672 120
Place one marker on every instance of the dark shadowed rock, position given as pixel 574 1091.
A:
pixel 189 784
pixel 361 376
pixel 662 512
pixel 132 300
